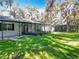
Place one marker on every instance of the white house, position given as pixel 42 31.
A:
pixel 10 27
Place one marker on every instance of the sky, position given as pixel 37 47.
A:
pixel 33 3
pixel 40 4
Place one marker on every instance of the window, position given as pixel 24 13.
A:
pixel 10 26
pixel 6 26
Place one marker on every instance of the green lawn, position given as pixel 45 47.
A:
pixel 49 46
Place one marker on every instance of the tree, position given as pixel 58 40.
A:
pixel 63 14
pixel 70 15
pixel 50 10
pixel 8 3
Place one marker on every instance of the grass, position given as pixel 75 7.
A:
pixel 48 46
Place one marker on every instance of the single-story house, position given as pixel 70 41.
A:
pixel 10 27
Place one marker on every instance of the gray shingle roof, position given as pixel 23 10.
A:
pixel 8 18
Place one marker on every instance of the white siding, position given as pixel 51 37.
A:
pixel 52 30
pixel 45 28
pixel 12 33
pixel 31 28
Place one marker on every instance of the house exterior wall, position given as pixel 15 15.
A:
pixel 46 28
pixel 34 28
pixel 28 28
pixel 53 29
pixel 31 28
pixel 14 32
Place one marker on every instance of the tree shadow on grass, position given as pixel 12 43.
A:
pixel 41 47
pixel 73 37
pixel 7 49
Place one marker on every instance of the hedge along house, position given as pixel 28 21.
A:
pixel 17 27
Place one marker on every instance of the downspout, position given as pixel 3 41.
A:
pixel 2 31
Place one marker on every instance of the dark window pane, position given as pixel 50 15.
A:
pixel 12 26
pixel 4 26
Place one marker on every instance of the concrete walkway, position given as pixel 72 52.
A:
pixel 11 37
